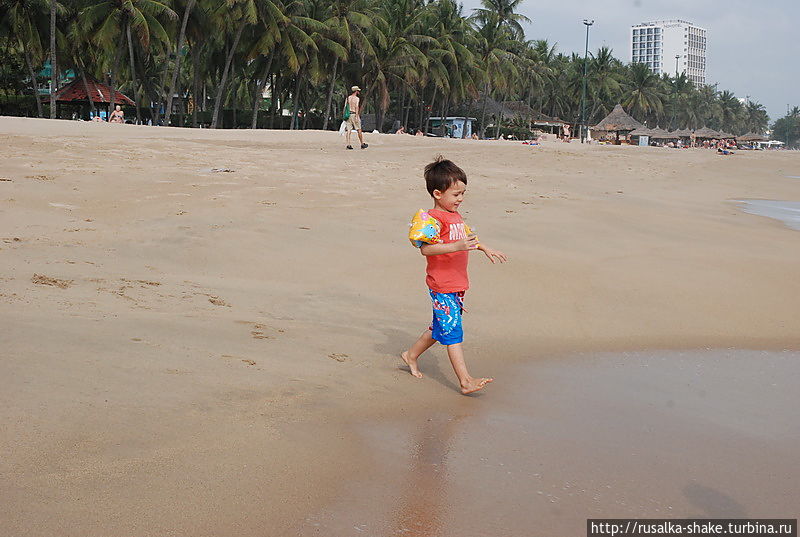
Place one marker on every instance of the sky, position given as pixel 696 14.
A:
pixel 753 48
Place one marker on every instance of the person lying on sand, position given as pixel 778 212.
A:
pixel 445 240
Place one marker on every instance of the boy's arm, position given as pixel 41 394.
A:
pixel 470 243
pixel 493 254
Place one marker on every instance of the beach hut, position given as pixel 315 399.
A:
pixel 642 134
pixel 75 93
pixel 618 121
pixel 752 137
pixel 660 134
pixel 455 126
pixel 706 133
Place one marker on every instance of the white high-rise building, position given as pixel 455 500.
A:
pixel 662 44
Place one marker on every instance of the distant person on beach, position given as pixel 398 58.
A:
pixel 445 240
pixel 353 122
pixel 117 116
pixel 401 130
pixel 419 133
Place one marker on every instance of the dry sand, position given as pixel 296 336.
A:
pixel 192 351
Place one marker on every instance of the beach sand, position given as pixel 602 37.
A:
pixel 201 331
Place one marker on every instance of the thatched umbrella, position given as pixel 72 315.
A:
pixel 725 135
pixel 705 132
pixel 661 134
pixel 752 137
pixel 641 131
pixel 617 121
pixel 683 133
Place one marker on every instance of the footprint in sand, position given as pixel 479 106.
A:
pixel 339 357
pixel 39 279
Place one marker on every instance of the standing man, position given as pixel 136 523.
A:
pixel 354 121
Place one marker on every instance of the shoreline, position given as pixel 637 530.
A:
pixel 130 390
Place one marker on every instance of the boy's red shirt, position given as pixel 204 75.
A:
pixel 447 273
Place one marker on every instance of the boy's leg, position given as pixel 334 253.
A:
pixel 410 356
pixel 468 383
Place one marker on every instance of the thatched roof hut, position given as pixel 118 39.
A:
pixel 682 133
pixel 752 137
pixel 660 134
pixel 705 132
pixel 618 121
pixel 642 131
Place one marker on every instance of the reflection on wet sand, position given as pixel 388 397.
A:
pixel 423 505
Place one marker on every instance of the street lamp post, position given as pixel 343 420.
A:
pixel 588 23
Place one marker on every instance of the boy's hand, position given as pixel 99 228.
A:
pixel 495 255
pixel 470 243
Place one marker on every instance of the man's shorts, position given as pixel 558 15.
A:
pixel 447 309
pixel 353 123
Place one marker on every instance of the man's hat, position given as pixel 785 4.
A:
pixel 355 88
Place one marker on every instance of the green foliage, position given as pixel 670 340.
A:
pixel 787 128
pixel 413 59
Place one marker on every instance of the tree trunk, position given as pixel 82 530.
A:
pixel 259 96
pixel 221 89
pixel 499 118
pixel 114 69
pixel 483 113
pixel 53 63
pixel 407 109
pixel 421 108
pixel 32 74
pixel 428 116
pixel 176 72
pixel 402 107
pixel 296 110
pixel 88 94
pixel 133 74
pixel 196 82
pixel 442 124
pixel 276 79
pixel 330 95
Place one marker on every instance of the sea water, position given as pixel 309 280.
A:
pixel 787 212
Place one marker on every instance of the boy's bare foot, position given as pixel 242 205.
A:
pixel 473 385
pixel 412 365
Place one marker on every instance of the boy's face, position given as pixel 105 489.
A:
pixel 450 199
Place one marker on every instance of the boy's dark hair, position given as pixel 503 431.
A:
pixel 441 174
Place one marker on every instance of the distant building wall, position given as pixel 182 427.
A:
pixel 657 43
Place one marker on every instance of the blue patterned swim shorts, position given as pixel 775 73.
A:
pixel 447 309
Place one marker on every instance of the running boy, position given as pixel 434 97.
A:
pixel 445 240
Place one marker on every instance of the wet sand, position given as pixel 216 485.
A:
pixel 201 329
pixel 787 212
pixel 663 434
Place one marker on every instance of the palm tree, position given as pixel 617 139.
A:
pixel 24 21
pixel 107 20
pixel 53 62
pixel 239 14
pixel 351 21
pixel 730 108
pixel 178 55
pixel 642 96
pixel 756 118
pixel 495 44
pixel 505 12
pixel 605 83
